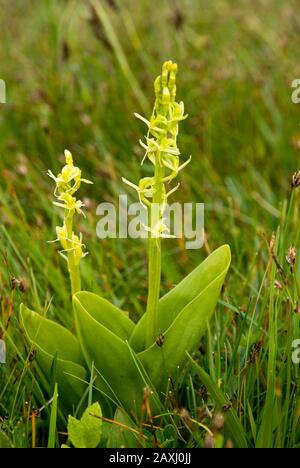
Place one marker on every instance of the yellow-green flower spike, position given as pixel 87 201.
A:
pixel 67 182
pixel 161 142
pixel 161 150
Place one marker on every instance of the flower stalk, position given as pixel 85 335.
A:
pixel 162 151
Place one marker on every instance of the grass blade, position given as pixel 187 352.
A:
pixel 53 418
pixel 232 423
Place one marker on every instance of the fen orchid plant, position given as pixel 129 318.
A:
pixel 129 361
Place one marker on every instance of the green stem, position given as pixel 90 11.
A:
pixel 154 273
pixel 73 269
pixel 154 252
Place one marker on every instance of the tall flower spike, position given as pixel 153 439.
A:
pixel 67 182
pixel 160 143
pixel 161 150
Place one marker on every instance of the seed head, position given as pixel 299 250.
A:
pixel 218 421
pixel 291 256
pixel 295 182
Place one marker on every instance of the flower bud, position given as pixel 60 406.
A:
pixel 68 156
pixel 62 235
pixel 166 96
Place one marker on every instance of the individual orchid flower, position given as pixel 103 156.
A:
pixel 159 230
pixel 145 189
pixel 69 179
pixel 69 203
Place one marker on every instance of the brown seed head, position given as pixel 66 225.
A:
pixel 291 256
pixel 218 421
pixel 295 182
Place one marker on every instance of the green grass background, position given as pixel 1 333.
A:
pixel 74 80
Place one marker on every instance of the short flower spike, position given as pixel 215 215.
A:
pixel 67 183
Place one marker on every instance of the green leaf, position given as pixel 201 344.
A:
pixel 119 376
pixel 53 419
pixel 252 421
pixel 56 345
pixel 50 336
pixel 106 314
pixel 184 293
pixel 185 332
pixel 86 433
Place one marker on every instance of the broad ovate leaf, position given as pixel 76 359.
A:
pixel 184 293
pixel 59 351
pixel 107 314
pixel 120 377
pixel 189 324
